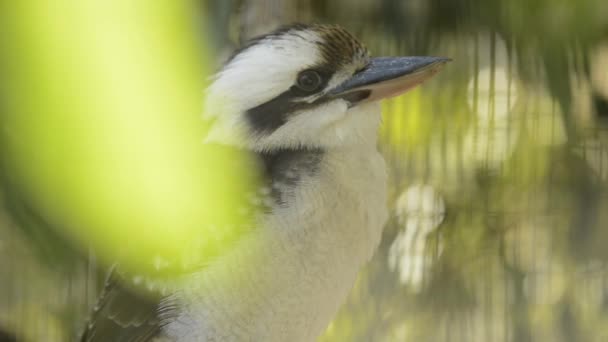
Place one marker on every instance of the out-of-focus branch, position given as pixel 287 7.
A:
pixel 5 336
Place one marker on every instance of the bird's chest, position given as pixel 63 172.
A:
pixel 345 203
pixel 333 198
pixel 326 233
pixel 287 280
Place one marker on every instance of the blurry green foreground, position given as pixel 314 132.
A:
pixel 102 131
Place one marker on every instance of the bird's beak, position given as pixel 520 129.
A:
pixel 386 77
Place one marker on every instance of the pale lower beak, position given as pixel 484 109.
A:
pixel 386 77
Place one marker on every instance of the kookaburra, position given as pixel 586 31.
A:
pixel 305 100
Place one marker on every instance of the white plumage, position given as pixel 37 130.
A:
pixel 286 281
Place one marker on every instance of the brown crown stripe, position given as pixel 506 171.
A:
pixel 339 47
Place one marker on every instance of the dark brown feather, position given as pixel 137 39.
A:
pixel 124 313
pixel 338 46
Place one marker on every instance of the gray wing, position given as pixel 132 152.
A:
pixel 123 314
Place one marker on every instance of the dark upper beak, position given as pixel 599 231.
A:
pixel 386 77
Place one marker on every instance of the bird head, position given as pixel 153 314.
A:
pixel 307 86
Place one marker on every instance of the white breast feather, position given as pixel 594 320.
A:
pixel 287 279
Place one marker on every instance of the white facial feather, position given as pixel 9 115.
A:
pixel 267 69
pixel 262 72
pixel 327 126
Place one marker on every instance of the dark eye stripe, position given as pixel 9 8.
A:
pixel 271 115
pixel 267 117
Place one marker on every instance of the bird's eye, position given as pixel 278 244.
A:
pixel 309 80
